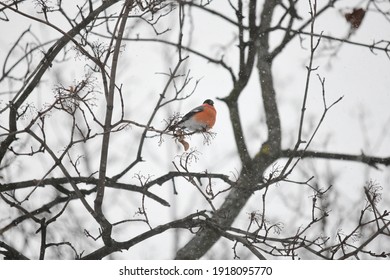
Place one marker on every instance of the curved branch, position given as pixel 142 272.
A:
pixel 264 66
pixel 77 180
pixel 369 160
pixel 246 68
pixel 189 222
pixel 372 47
pixel 172 174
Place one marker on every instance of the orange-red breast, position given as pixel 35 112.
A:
pixel 201 118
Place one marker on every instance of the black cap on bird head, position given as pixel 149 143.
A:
pixel 209 101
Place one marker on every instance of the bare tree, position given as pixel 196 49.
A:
pixel 89 167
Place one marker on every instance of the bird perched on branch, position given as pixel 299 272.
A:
pixel 201 118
